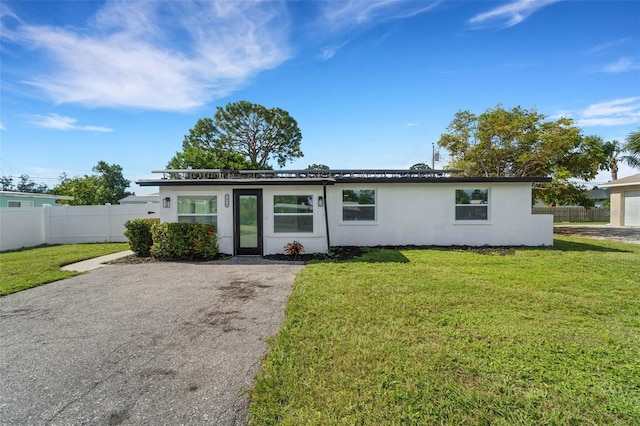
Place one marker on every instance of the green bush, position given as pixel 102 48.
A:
pixel 138 231
pixel 173 240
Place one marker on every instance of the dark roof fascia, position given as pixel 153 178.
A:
pixel 447 180
pixel 234 182
pixel 345 180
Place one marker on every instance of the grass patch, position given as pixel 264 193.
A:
pixel 580 223
pixel 543 336
pixel 26 268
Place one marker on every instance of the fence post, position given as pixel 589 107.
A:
pixel 65 222
pixel 108 217
pixel 46 224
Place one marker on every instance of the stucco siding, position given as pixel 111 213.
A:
pixel 425 215
pixel 405 214
pixel 618 203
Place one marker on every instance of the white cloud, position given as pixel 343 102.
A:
pixel 158 55
pixel 343 17
pixel 509 14
pixel 617 112
pixel 620 66
pixel 2 126
pixel 58 122
pixel 329 52
pixel 606 46
pixel 412 124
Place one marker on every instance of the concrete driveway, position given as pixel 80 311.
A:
pixel 160 343
pixel 624 234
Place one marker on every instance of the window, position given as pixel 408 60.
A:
pixel 19 203
pixel 293 213
pixel 198 209
pixel 472 204
pixel 359 205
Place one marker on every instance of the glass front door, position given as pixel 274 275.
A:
pixel 248 221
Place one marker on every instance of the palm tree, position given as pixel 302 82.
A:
pixel 611 151
pixel 632 148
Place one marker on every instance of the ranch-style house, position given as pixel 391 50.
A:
pixel 258 212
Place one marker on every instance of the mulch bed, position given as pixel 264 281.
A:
pixel 337 254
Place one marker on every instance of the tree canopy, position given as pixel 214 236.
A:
pixel 519 143
pixel 615 153
pixel 420 166
pixel 316 166
pixel 25 184
pixel 201 158
pixel 242 135
pixel 108 186
pixel 632 149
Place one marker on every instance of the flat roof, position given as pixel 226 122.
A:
pixel 34 195
pixel 218 177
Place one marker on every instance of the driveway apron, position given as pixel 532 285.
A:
pixel 159 343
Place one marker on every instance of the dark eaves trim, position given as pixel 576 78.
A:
pixel 329 181
pixel 233 182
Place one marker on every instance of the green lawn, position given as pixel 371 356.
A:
pixel 543 336
pixel 23 269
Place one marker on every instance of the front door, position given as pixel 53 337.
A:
pixel 247 218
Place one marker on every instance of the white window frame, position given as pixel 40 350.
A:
pixel 486 204
pixel 200 197
pixel 374 205
pixel 21 203
pixel 312 214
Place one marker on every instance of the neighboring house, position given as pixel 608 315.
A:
pixel 259 212
pixel 599 196
pixel 140 199
pixel 625 201
pixel 29 199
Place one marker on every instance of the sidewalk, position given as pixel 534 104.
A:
pixel 95 263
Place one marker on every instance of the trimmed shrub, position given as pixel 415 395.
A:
pixel 138 231
pixel 172 240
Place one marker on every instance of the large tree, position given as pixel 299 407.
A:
pixel 614 153
pixel 201 158
pixel 521 142
pixel 257 133
pixel 611 156
pixel 107 186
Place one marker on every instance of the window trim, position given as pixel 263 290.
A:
pixel 24 204
pixel 376 194
pixel 312 214
pixel 472 221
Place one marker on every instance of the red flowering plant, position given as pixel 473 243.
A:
pixel 294 249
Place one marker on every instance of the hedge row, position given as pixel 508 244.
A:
pixel 171 240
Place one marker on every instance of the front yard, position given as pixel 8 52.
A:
pixel 31 267
pixel 539 336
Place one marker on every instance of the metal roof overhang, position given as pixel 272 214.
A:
pixel 333 181
pixel 233 182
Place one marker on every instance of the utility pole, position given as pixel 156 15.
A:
pixel 435 156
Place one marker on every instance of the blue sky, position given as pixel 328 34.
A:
pixel 372 84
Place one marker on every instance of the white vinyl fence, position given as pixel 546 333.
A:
pixel 28 227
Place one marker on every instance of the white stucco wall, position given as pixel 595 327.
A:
pixel 272 242
pixel 415 214
pixel 406 214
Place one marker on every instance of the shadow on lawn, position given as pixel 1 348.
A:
pixel 563 245
pixel 381 255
